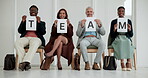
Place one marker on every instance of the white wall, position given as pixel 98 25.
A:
pixel 12 11
pixel 141 32
pixel 7 25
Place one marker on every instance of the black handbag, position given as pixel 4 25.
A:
pixel 9 62
pixel 109 63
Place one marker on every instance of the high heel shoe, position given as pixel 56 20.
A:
pixel 59 66
pixel 128 66
pixel 123 67
pixel 45 54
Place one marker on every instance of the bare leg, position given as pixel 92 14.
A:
pixel 57 43
pixel 122 65
pixel 128 64
pixel 59 51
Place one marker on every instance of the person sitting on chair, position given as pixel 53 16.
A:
pixel 60 44
pixel 121 41
pixel 87 38
pixel 32 38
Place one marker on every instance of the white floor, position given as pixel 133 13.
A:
pixel 35 72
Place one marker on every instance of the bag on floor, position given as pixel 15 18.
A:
pixel 45 65
pixel 109 63
pixel 77 62
pixel 9 62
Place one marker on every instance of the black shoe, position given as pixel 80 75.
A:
pixel 27 66
pixel 22 66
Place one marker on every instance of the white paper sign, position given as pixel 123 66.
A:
pixel 62 26
pixel 122 25
pixel 90 24
pixel 31 23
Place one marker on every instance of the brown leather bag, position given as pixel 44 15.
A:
pixel 77 62
pixel 45 65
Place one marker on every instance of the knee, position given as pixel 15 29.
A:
pixel 82 43
pixel 59 37
pixel 36 42
pixel 101 45
pixel 17 43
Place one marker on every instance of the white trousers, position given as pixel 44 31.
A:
pixel 33 42
pixel 92 41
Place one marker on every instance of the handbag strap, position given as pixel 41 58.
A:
pixel 107 61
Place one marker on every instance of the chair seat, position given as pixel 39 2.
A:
pixel 89 47
pixel 40 47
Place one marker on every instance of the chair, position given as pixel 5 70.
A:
pixel 40 50
pixel 91 49
pixel 111 50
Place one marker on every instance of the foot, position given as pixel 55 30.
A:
pixel 59 66
pixel 123 66
pixel 87 67
pixel 95 67
pixel 27 66
pixel 49 54
pixel 24 66
pixel 128 66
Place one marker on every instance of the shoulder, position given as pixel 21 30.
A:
pixel 43 22
pixel 114 20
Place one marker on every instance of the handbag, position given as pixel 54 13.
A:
pixel 45 65
pixel 77 62
pixel 9 62
pixel 109 63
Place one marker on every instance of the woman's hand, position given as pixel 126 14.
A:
pixel 129 27
pixel 68 22
pixel 55 23
pixel 115 27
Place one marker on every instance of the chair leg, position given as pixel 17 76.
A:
pixel 16 61
pixel 41 56
pixel 135 58
pixel 72 63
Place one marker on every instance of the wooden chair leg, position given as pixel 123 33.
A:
pixel 135 58
pixel 72 63
pixel 41 56
pixel 16 61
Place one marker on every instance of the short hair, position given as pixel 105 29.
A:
pixel 89 8
pixel 121 7
pixel 58 17
pixel 33 6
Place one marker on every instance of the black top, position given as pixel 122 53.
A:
pixel 41 30
pixel 113 34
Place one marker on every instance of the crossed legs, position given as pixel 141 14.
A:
pixel 58 44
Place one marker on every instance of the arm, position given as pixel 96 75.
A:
pixel 80 30
pixel 130 32
pixel 100 29
pixel 69 30
pixel 54 30
pixel 41 28
pixel 112 32
pixel 22 27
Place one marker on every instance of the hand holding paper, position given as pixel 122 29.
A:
pixel 24 18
